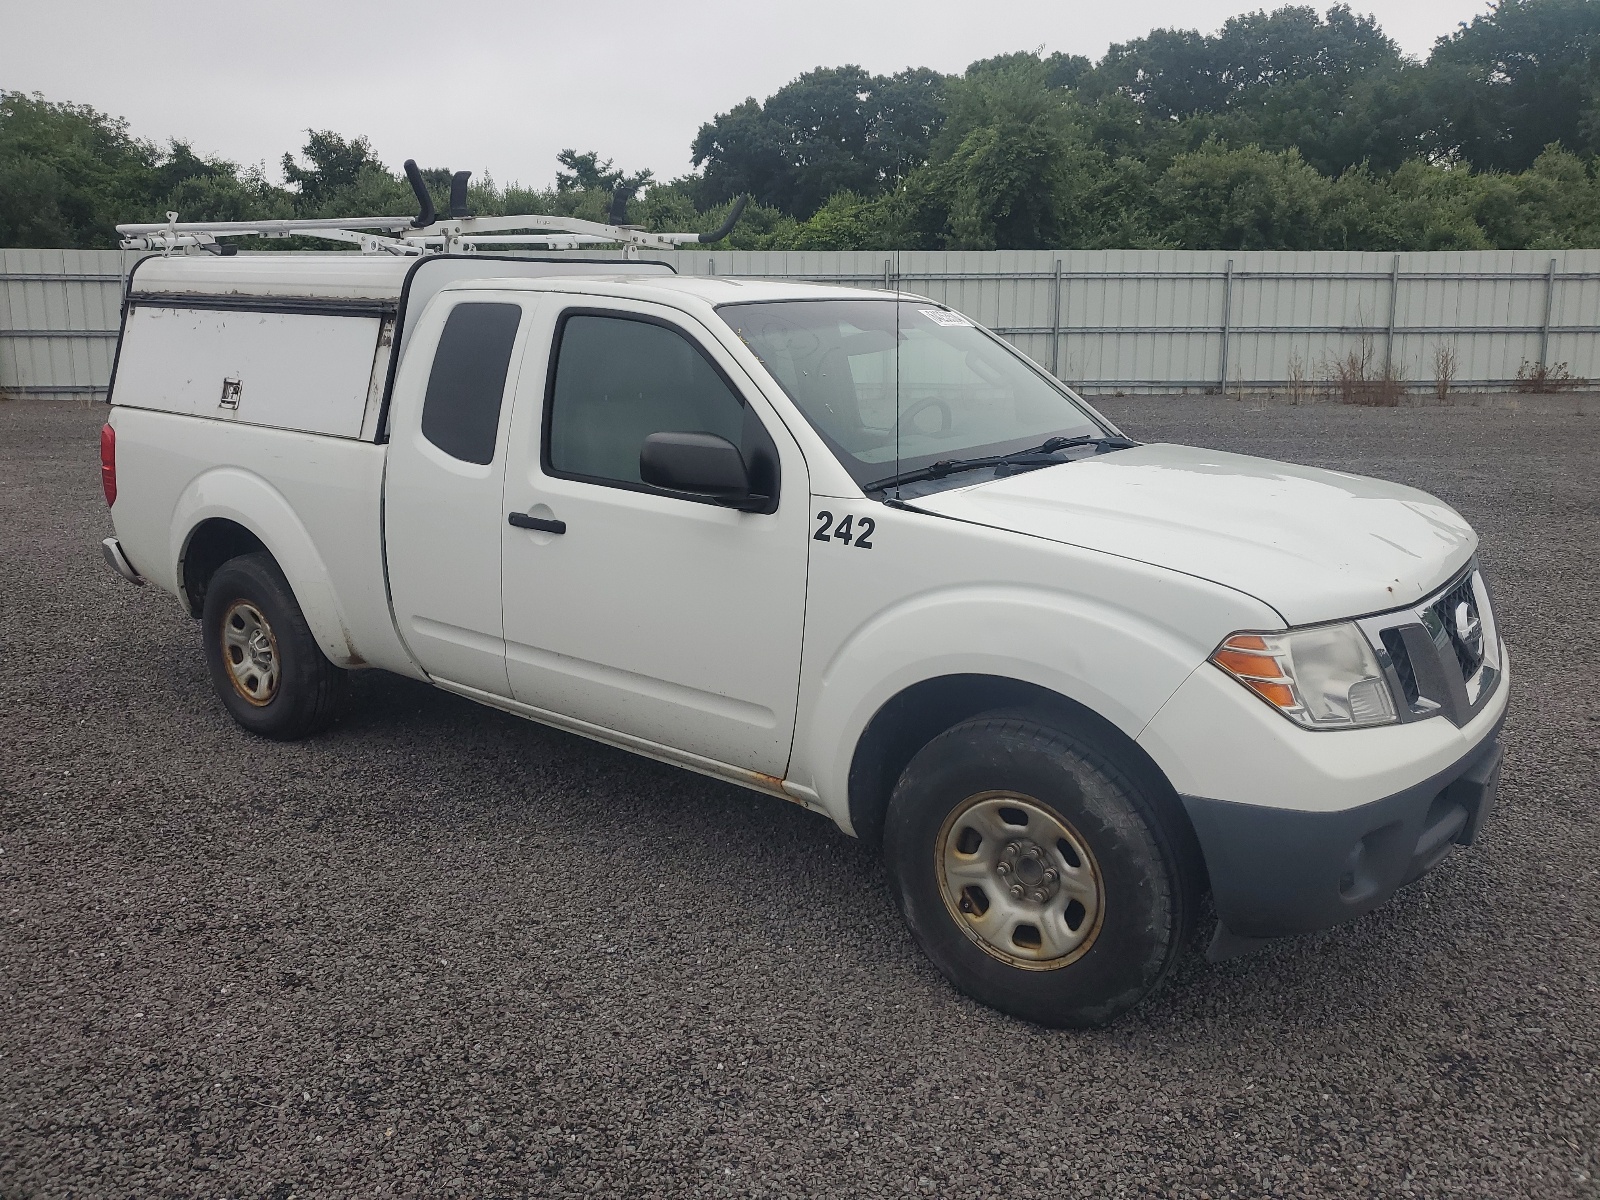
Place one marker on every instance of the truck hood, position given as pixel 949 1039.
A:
pixel 1316 545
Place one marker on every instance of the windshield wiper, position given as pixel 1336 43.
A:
pixel 1101 441
pixel 1035 456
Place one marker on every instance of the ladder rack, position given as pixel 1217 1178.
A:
pixel 426 233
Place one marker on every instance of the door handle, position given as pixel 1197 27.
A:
pixel 524 521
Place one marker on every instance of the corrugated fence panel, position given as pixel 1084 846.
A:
pixel 1106 320
pixel 58 319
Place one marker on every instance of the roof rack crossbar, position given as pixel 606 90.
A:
pixel 425 233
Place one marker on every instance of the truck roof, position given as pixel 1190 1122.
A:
pixel 711 289
pixel 340 276
pixel 332 276
pixel 346 276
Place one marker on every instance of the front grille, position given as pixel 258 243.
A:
pixel 1435 664
pixel 1468 657
pixel 1395 644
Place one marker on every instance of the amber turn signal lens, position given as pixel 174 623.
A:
pixel 1247 641
pixel 1255 666
pixel 1248 658
pixel 1280 694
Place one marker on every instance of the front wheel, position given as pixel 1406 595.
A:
pixel 1036 872
pixel 266 666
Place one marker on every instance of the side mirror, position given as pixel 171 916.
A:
pixel 698 464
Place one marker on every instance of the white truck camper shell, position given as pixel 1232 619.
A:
pixel 320 336
pixel 305 342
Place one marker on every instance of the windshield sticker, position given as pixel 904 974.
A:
pixel 943 316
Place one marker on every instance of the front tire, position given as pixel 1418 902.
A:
pixel 1041 875
pixel 266 666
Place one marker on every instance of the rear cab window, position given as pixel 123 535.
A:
pixel 466 386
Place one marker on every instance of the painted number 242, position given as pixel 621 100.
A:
pixel 859 536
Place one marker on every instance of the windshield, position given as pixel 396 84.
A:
pixel 961 392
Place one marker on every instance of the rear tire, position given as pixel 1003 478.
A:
pixel 1042 876
pixel 266 666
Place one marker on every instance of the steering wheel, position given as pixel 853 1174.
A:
pixel 932 402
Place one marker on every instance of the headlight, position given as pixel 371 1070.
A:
pixel 1325 677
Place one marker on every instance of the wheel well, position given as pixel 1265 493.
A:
pixel 912 719
pixel 212 543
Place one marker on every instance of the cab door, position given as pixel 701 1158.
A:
pixel 443 483
pixel 672 619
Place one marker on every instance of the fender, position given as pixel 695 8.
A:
pixel 1114 661
pixel 249 500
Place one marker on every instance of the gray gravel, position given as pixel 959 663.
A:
pixel 442 952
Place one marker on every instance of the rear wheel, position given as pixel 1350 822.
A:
pixel 1037 872
pixel 266 666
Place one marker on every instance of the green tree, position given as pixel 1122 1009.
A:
pixel 68 173
pixel 1560 194
pixel 1523 75
pixel 1060 70
pixel 337 168
pixel 1011 168
pixel 1334 87
pixel 831 130
pixel 585 172
pixel 1245 199
pixel 845 222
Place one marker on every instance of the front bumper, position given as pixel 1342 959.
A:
pixel 1281 871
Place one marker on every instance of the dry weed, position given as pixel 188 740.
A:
pixel 1358 381
pixel 1538 379
pixel 1444 370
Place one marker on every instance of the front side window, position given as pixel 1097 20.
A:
pixel 618 379
pixel 461 411
pixel 897 386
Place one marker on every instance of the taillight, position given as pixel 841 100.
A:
pixel 108 463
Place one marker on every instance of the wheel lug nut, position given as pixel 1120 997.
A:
pixel 1016 891
pixel 1003 868
pixel 1033 852
pixel 1012 848
pixel 1049 875
pixel 1040 897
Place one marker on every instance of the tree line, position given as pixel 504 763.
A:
pixel 1290 130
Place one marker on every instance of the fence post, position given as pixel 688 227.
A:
pixel 1388 341
pixel 1227 323
pixel 1055 328
pixel 888 263
pixel 1549 309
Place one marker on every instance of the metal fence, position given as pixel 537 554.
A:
pixel 1172 320
pixel 1105 320
pixel 58 319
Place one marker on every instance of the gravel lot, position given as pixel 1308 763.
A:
pixel 443 952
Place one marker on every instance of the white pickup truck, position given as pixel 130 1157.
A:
pixel 843 547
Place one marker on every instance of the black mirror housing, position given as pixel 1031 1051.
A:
pixel 698 464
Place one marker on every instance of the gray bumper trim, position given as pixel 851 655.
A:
pixel 1278 872
pixel 112 549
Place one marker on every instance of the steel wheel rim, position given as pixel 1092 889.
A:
pixel 1019 880
pixel 250 652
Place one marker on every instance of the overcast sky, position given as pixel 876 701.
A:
pixel 501 86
